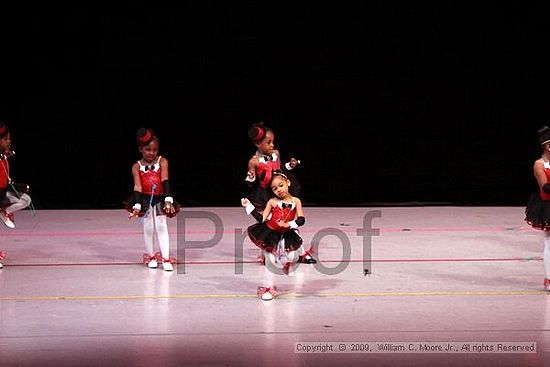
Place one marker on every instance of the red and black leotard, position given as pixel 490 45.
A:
pixel 150 178
pixel 537 212
pixel 152 192
pixel 265 169
pixel 268 234
pixel 4 173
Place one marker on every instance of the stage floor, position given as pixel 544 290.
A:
pixel 73 291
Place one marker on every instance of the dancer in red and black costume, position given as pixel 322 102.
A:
pixel 276 232
pixel 261 166
pixel 152 199
pixel 13 196
pixel 537 213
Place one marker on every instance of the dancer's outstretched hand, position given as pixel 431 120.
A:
pixel 294 162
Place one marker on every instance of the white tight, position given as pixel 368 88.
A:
pixel 152 222
pixel 15 203
pixel 272 260
pixel 300 251
pixel 547 254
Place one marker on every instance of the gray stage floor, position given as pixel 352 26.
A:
pixel 73 291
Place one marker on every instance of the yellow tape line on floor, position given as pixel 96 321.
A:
pixel 282 295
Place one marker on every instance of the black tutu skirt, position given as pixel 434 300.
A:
pixel 259 196
pixel 267 239
pixel 146 201
pixel 537 213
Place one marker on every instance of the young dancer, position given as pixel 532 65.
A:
pixel 152 199
pixel 276 231
pixel 261 166
pixel 537 213
pixel 13 196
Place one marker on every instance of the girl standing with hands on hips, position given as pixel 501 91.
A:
pixel 152 199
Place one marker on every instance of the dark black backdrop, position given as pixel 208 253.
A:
pixel 384 104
